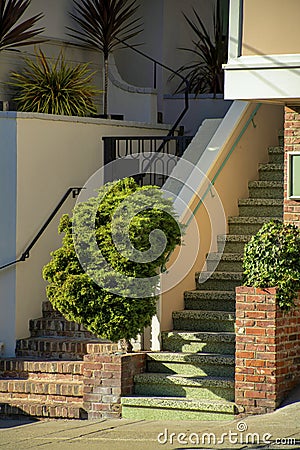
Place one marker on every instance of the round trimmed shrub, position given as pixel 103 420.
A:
pixel 78 297
pixel 272 259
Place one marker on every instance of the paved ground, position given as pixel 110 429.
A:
pixel 279 430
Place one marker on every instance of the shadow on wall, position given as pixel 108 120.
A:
pixel 201 107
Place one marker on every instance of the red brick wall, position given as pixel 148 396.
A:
pixel 267 350
pixel 291 143
pixel 107 375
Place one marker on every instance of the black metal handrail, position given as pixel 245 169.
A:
pixel 25 255
pixel 175 72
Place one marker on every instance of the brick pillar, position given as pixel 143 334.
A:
pixel 267 350
pixel 291 144
pixel 107 375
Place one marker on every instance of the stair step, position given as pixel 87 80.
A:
pixel 217 281
pixel 198 341
pixel 41 369
pixel 161 408
pixel 34 408
pixel 276 155
pixel 281 138
pixel 161 384
pixel 11 387
pixel 57 327
pixel 209 300
pixel 193 320
pixel 48 311
pixel 58 347
pixel 225 262
pixel 196 364
pixel 271 172
pixel 266 189
pixel 232 243
pixel 247 225
pixel 260 207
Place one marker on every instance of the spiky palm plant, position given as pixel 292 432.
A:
pixel 205 73
pixel 54 87
pixel 101 24
pixel 12 33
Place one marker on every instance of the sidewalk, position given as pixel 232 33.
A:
pixel 250 433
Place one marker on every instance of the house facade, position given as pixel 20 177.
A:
pixel 193 333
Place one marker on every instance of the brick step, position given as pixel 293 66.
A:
pixel 58 327
pixel 34 408
pixel 41 369
pixel 217 281
pixel 49 312
pixel 195 364
pixel 260 207
pixel 225 262
pixel 42 390
pixel 209 300
pixel 193 320
pixel 271 172
pixel 276 155
pixel 247 225
pixel 266 189
pixel 198 341
pixel 162 384
pixel 58 347
pixel 168 408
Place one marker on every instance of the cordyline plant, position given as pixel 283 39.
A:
pixel 271 259
pixel 54 87
pixel 112 313
pixel 101 24
pixel 14 33
pixel 205 73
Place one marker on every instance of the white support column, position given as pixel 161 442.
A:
pixel 235 28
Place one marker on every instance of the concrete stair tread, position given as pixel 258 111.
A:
pixel 220 275
pixel 244 238
pixel 260 202
pixel 179 403
pixel 202 335
pixel 265 184
pixel 215 256
pixel 249 220
pixel 222 295
pixel 206 315
pixel 276 149
pixel 184 380
pixel 270 166
pixel 181 357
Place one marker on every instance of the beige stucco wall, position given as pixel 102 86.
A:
pixel 231 185
pixel 271 27
pixel 53 153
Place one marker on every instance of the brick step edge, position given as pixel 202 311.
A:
pixel 17 408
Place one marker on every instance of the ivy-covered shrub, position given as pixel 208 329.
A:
pixel 106 308
pixel 272 259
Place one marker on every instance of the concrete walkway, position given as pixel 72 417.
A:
pixel 279 430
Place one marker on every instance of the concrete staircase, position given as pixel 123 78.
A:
pixel 193 376
pixel 46 377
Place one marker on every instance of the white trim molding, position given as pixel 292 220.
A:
pixel 263 77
